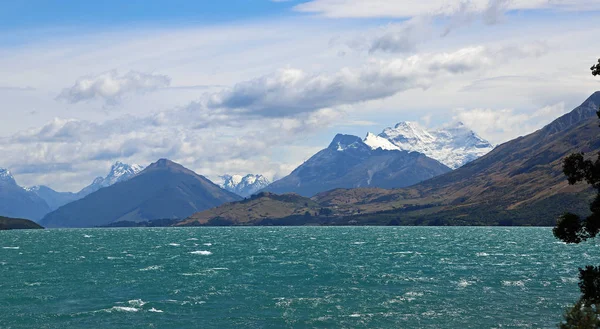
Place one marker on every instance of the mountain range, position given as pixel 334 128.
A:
pixel 519 182
pixel 163 190
pixel 244 185
pixel 118 172
pixel 351 162
pixel 35 202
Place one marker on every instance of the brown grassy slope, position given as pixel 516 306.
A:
pixel 265 205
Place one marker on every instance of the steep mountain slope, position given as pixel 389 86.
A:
pixel 453 145
pixel 519 182
pixel 162 190
pixel 17 224
pixel 349 162
pixel 244 185
pixel 119 172
pixel 17 202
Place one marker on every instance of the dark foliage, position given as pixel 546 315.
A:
pixel 596 68
pixel 581 317
pixel 571 228
pixel 166 222
pixel 589 283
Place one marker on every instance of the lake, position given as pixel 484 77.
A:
pixel 288 277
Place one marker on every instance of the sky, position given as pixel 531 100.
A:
pixel 259 86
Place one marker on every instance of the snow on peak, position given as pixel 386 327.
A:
pixel 453 145
pixel 342 142
pixel 6 176
pixel 376 142
pixel 119 172
pixel 4 173
pixel 35 188
pixel 244 185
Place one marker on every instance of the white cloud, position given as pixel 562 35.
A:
pixel 110 87
pixel 504 124
pixel 292 91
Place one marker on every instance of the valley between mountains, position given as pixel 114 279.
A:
pixel 406 175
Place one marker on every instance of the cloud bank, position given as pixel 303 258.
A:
pixel 293 91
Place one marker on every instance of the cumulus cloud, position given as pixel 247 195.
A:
pixel 292 91
pixel 110 87
pixel 504 124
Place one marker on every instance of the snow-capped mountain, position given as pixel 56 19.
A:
pixel 119 172
pixel 244 185
pixel 36 201
pixel 453 145
pixel 17 202
pixel 350 161
pixel 6 177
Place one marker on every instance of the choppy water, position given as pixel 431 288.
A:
pixel 314 277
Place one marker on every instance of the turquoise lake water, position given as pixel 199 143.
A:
pixel 288 277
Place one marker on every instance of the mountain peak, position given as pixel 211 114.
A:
pixel 407 124
pixel 168 165
pixel 119 172
pixel 244 185
pixel 6 176
pixel 163 163
pixel 586 110
pixel 341 141
pixel 594 98
pixel 453 144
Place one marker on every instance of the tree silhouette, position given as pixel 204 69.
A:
pixel 596 69
pixel 571 228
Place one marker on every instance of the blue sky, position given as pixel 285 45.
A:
pixel 258 86
pixel 50 13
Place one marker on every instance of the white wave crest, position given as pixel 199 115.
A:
pixel 201 252
pixel 136 303
pixel 122 309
